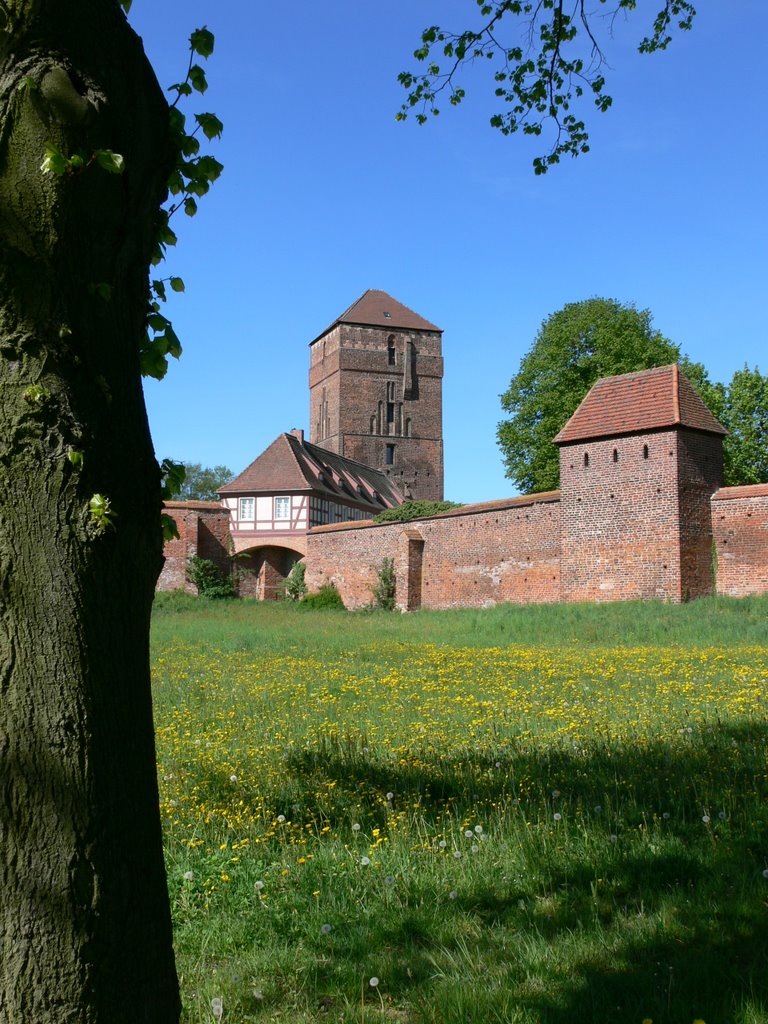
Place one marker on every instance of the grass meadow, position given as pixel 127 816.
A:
pixel 508 816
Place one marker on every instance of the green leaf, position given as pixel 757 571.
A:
pixel 177 284
pixel 201 41
pixel 211 125
pixel 102 289
pixel 28 83
pixel 169 527
pixel 197 78
pixel 158 287
pixel 190 207
pixel 76 458
pixel 109 161
pixel 157 321
pixel 54 161
pixel 125 4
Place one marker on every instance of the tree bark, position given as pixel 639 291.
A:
pixel 85 932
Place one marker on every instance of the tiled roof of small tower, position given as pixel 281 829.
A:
pixel 378 309
pixel 634 402
pixel 292 464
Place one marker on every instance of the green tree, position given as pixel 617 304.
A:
pixel 88 147
pixel 201 483
pixel 745 415
pixel 575 347
pixel 545 57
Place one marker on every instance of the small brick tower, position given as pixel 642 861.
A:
pixel 639 461
pixel 375 392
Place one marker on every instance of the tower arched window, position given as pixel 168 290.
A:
pixel 586 459
pixel 391 353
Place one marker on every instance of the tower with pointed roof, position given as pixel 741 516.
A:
pixel 639 461
pixel 375 392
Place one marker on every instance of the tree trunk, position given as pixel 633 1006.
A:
pixel 85 933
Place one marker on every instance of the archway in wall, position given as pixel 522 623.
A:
pixel 261 572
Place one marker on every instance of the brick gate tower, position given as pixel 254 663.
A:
pixel 375 392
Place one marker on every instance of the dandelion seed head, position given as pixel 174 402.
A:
pixel 475 848
pixel 666 815
pixel 365 861
pixel 189 876
pixel 765 873
pixel 705 818
pixel 258 886
pixel 478 829
pixel 722 815
pixel 557 816
pixel 325 929
pixel 356 827
pixel 469 834
pixel 217 1007
pixel 390 796
pixel 281 818
pixel 389 880
pixel 233 778
pixel 442 844
pixel 457 854
pixel 452 894
pixel 373 982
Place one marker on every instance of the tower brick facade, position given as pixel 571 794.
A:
pixel 375 386
pixel 639 462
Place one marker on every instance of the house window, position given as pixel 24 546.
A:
pixel 390 412
pixel 645 451
pixel 282 508
pixel 247 506
pixel 391 352
pixel 390 457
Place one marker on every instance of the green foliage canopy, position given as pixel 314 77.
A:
pixel 745 415
pixel 414 510
pixel 545 56
pixel 202 482
pixel 575 347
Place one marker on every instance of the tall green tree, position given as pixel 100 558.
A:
pixel 745 415
pixel 546 58
pixel 575 347
pixel 88 144
pixel 201 483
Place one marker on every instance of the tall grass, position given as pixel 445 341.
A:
pixel 500 816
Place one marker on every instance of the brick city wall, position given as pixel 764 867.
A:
pixel 203 531
pixel 740 524
pixel 479 555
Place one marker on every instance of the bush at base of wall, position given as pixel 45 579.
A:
pixel 326 597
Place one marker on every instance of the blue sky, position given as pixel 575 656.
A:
pixel 325 195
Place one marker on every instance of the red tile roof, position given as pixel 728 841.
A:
pixel 634 402
pixel 743 491
pixel 290 464
pixel 378 309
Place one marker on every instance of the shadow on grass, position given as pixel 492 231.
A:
pixel 653 912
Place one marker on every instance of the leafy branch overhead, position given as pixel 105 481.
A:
pixel 545 56
pixel 191 177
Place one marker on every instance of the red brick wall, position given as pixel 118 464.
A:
pixel 700 467
pixel 203 531
pixel 620 518
pixel 472 557
pixel 740 522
